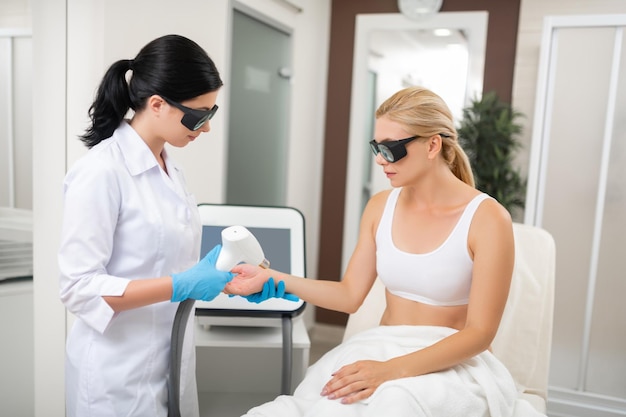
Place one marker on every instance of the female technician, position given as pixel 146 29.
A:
pixel 131 233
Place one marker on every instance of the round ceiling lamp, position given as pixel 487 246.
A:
pixel 419 9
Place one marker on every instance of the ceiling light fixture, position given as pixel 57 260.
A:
pixel 419 9
pixel 442 32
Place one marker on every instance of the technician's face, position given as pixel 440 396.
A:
pixel 196 111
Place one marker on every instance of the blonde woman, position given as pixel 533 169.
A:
pixel 444 252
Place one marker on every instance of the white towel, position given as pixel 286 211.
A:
pixel 480 386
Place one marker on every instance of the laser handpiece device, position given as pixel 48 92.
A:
pixel 239 245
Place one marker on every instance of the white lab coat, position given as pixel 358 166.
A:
pixel 124 218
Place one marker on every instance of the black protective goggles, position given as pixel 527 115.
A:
pixel 391 150
pixel 193 119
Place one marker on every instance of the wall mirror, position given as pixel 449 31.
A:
pixel 445 53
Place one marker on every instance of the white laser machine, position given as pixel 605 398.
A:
pixel 238 245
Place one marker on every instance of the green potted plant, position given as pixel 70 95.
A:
pixel 489 133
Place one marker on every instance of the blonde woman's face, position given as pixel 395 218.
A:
pixel 387 133
pixel 391 147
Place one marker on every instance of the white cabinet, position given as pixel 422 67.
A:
pixel 16 349
pixel 240 367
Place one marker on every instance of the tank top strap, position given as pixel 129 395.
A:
pixel 383 234
pixel 468 214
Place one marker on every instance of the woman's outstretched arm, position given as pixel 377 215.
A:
pixel 345 295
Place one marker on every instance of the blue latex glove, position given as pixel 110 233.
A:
pixel 202 281
pixel 270 290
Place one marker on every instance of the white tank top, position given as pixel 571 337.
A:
pixel 441 277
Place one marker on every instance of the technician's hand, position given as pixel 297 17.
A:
pixel 202 281
pixel 271 290
pixel 358 381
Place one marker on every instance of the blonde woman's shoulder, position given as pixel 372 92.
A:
pixel 375 206
pixel 491 214
pixel 380 198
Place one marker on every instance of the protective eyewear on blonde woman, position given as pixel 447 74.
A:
pixel 391 150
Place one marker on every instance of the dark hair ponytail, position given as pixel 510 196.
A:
pixel 111 104
pixel 172 66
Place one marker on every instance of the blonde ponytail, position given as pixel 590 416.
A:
pixel 460 165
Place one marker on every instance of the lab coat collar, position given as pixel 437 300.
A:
pixel 139 158
pixel 169 162
pixel 137 155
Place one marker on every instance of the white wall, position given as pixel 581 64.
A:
pixel 98 34
pixel 571 392
pixel 15 14
pixel 532 14
pixel 49 164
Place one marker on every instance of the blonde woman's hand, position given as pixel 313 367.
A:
pixel 248 279
pixel 358 381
